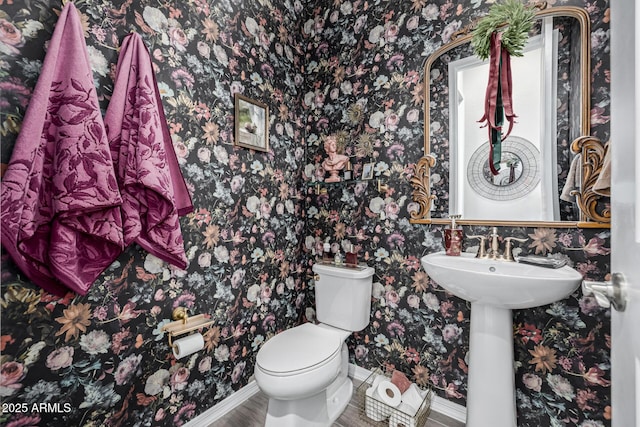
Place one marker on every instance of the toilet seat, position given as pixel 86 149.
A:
pixel 297 350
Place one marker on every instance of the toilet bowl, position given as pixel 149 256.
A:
pixel 304 370
pixel 300 362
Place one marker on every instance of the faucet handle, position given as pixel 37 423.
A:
pixel 508 256
pixel 481 250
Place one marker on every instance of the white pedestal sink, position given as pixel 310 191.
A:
pixel 494 288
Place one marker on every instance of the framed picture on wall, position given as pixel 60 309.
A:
pixel 367 170
pixel 251 123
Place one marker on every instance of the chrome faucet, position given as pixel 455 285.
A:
pixel 493 251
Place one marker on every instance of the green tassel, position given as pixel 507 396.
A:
pixel 496 134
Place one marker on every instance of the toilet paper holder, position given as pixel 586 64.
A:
pixel 183 323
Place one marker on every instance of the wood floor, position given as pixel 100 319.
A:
pixel 252 414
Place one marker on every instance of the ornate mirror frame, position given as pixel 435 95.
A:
pixel 591 148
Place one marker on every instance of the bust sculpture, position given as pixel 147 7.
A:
pixel 334 162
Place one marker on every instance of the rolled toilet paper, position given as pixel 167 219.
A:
pixel 412 399
pixel 188 345
pixel 377 379
pixel 400 417
pixel 388 393
pixel 373 408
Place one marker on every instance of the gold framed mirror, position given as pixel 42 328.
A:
pixel 549 155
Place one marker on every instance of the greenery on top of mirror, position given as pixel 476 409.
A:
pixel 514 36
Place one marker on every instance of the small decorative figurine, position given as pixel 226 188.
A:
pixel 335 161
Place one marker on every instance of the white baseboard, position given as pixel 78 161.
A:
pixel 438 404
pixel 225 406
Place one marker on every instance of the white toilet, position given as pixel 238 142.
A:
pixel 303 370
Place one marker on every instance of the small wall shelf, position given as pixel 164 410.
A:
pixel 320 187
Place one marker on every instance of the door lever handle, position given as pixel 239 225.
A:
pixel 608 293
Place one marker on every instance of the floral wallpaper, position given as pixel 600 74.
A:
pixel 102 360
pixel 350 68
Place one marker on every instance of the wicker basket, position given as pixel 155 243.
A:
pixel 377 413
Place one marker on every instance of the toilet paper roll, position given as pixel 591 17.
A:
pixel 388 393
pixel 373 408
pixel 188 345
pixel 377 379
pixel 412 399
pixel 399 417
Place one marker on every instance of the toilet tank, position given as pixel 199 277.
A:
pixel 343 295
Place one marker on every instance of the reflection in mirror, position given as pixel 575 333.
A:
pixel 518 180
pixel 551 99
pixel 529 153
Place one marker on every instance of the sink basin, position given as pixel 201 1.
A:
pixel 499 283
pixel 494 288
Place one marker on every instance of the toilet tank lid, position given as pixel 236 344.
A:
pixel 359 272
pixel 298 348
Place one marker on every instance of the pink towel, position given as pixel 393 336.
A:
pixel 60 211
pixel 153 190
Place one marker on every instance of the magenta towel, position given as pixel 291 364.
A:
pixel 60 204
pixel 153 190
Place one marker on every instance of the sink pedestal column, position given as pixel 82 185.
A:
pixel 491 396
